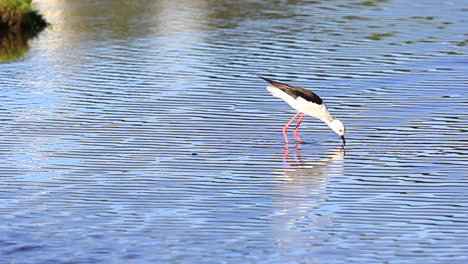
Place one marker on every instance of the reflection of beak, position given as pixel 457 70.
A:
pixel 344 141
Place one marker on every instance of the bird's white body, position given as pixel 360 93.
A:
pixel 302 105
pixel 304 102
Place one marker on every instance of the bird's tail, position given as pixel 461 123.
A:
pixel 266 79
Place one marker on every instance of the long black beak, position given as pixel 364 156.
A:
pixel 344 140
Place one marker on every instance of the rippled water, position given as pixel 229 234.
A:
pixel 138 133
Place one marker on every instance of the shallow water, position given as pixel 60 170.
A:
pixel 139 133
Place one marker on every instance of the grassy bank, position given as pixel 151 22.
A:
pixel 19 21
pixel 20 16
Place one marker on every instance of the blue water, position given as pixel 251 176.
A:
pixel 139 133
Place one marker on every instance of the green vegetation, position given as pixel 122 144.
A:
pixel 18 22
pixel 18 5
pixel 20 16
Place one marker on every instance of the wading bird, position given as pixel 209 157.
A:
pixel 304 102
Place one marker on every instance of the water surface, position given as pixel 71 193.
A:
pixel 139 133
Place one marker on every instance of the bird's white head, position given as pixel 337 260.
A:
pixel 338 127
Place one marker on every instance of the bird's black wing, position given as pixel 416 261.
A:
pixel 295 91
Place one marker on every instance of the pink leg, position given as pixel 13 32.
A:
pixel 297 127
pixel 285 128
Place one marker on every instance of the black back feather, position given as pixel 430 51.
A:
pixel 295 91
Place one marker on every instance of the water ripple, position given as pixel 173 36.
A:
pixel 121 141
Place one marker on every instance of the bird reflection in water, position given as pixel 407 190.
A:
pixel 306 173
pixel 301 206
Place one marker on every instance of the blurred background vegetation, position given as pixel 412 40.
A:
pixel 19 21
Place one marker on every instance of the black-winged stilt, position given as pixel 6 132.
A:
pixel 305 102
